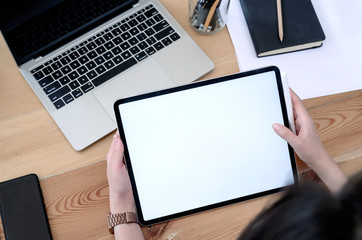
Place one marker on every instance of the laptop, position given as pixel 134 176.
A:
pixel 79 57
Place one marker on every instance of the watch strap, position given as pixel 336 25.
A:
pixel 120 218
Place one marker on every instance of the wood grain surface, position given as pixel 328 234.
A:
pixel 74 183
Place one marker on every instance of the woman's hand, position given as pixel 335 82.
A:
pixel 120 190
pixel 307 144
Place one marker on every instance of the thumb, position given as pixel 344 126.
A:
pixel 285 133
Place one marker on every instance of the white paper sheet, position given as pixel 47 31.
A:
pixel 333 68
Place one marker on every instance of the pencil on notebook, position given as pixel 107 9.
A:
pixel 280 20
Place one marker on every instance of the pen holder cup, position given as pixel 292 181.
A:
pixel 208 16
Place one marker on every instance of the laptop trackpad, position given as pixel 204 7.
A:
pixel 144 78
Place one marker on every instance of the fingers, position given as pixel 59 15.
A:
pixel 285 133
pixel 116 149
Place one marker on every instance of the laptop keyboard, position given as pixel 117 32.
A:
pixel 110 52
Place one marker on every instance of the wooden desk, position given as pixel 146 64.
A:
pixel 74 183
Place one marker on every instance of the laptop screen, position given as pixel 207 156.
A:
pixel 34 28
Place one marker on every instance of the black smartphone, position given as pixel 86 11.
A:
pixel 22 209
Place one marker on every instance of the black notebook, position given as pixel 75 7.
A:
pixel 302 29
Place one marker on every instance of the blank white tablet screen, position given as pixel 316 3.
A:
pixel 206 145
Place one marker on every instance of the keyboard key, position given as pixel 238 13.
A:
pixel 141 36
pixel 140 18
pixel 164 33
pixel 116 31
pixel 82 70
pixel 151 12
pixel 48 63
pixel 125 46
pixel 114 71
pixel 82 80
pixel 65 60
pixel 126 36
pixel 57 74
pixel 142 45
pixel 38 75
pixel 150 22
pixel 91 46
pixel 150 32
pixel 116 50
pixel 64 80
pixel 109 64
pixel 56 65
pixel 124 27
pixel 101 69
pixel 158 46
pixel 140 56
pixel 58 104
pixel 151 40
pixel 99 41
pixel 99 60
pixel 77 93
pixel 161 25
pixel 142 27
pixel 158 18
pixel 126 54
pixel 108 55
pixel 109 45
pixel 92 74
pixel 117 59
pixel 166 41
pixel 68 98
pixel 73 75
pixel 75 64
pixel 108 36
pixel 100 50
pixel 37 69
pixel 133 41
pixel 174 36
pixel 51 88
pixel 83 50
pixel 117 40
pixel 132 23
pixel 134 50
pixel 150 50
pixel 74 55
pixel 46 81
pixel 134 31
pixel 74 84
pixel 91 65
pixel 87 87
pixel 66 70
pixel 92 54
pixel 83 59
pixel 59 94
pixel 47 70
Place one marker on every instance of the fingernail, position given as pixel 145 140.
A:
pixel 115 138
pixel 276 127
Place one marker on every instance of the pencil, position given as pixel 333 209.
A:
pixel 280 20
pixel 211 13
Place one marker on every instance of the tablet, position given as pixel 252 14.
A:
pixel 205 145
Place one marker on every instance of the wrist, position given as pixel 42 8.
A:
pixel 119 205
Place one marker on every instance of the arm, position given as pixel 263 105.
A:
pixel 309 148
pixel 120 191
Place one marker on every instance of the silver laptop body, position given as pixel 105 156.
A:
pixel 85 113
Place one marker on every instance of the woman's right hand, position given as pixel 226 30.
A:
pixel 307 144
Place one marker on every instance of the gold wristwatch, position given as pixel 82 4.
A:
pixel 120 218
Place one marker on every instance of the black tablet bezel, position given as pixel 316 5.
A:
pixel 186 87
